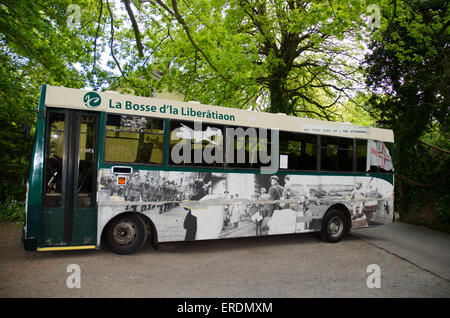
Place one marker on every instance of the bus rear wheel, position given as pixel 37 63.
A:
pixel 334 226
pixel 126 234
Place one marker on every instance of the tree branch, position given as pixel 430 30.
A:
pixel 434 147
pixel 137 34
pixel 96 34
pixel 414 183
pixel 176 14
pixel 111 45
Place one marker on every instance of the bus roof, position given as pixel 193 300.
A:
pixel 112 102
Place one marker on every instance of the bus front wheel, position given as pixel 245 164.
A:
pixel 126 234
pixel 334 226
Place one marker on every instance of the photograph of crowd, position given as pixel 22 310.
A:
pixel 198 205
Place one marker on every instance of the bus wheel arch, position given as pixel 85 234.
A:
pixel 153 233
pixel 125 233
pixel 336 223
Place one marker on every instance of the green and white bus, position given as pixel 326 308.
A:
pixel 120 170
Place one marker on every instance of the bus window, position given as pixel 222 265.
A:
pixel 336 154
pixel 379 156
pixel 196 144
pixel 134 139
pixel 388 155
pixel 301 150
pixel 55 155
pixel 248 146
pixel 86 161
pixel 361 155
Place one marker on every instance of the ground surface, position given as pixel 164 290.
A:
pixel 427 249
pixel 278 266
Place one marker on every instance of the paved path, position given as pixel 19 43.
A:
pixel 425 248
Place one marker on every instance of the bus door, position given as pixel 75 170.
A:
pixel 70 177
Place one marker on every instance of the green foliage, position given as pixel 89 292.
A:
pixel 36 47
pixel 354 111
pixel 280 56
pixel 443 209
pixel 12 210
pixel 15 112
pixel 409 65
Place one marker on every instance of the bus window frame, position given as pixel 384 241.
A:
pixel 174 166
pixel 167 165
pixel 290 170
pixel 124 163
pixel 49 111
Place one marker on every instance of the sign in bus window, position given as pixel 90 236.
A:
pixel 379 156
pixel 134 139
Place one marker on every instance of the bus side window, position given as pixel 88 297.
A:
pixel 203 142
pixel 336 154
pixel 248 147
pixel 301 150
pixel 134 139
pixel 361 155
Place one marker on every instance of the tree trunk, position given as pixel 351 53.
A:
pixel 279 101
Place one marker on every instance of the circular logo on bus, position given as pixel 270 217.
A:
pixel 92 99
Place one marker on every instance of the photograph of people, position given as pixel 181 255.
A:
pixel 197 205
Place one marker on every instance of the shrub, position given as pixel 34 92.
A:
pixel 443 209
pixel 12 210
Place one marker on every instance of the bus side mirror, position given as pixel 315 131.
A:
pixel 26 133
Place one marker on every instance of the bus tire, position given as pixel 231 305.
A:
pixel 126 234
pixel 334 226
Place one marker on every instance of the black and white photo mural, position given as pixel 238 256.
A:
pixel 208 205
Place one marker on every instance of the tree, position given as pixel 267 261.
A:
pixel 294 57
pixel 36 47
pixel 409 71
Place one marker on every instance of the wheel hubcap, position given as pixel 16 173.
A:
pixel 335 226
pixel 124 233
